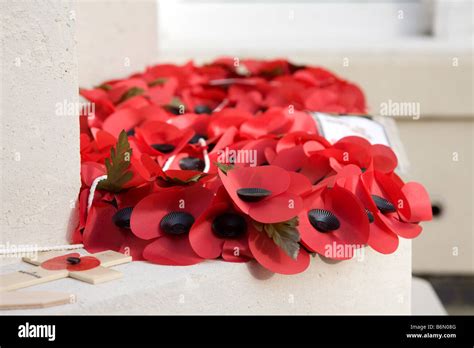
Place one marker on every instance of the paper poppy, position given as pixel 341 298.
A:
pixel 108 224
pixel 166 218
pixel 333 223
pixel 221 231
pixel 262 193
pixel 398 209
pixel 272 257
pixel 73 262
pixel 161 139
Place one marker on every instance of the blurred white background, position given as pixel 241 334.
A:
pixel 242 27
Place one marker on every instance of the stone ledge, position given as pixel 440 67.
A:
pixel 377 284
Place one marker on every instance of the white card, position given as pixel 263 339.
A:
pixel 334 128
pixel 379 130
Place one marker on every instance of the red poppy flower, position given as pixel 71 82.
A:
pixel 285 91
pixel 166 218
pixel 274 258
pixel 339 97
pixel 162 90
pixel 221 231
pixel 245 98
pixel 400 206
pixel 184 75
pixel 334 223
pixel 359 151
pixel 103 107
pixel 277 121
pixel 393 209
pixel 98 148
pixel 73 262
pixel 108 225
pixel 225 119
pixel 263 192
pixel 119 89
pixel 172 177
pixel 161 139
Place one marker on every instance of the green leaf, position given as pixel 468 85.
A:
pixel 224 167
pixel 271 73
pixel 171 181
pixel 117 165
pixel 132 92
pixel 105 87
pixel 175 106
pixel 284 234
pixel 158 82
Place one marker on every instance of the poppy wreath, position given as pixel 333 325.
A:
pixel 223 161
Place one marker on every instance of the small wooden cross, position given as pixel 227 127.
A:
pixel 39 275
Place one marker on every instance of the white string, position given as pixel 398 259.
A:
pixel 40 249
pixel 90 198
pixel 168 162
pixel 207 162
pixel 221 106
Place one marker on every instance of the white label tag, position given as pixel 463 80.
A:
pixel 334 128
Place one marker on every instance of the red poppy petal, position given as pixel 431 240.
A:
pixel 384 158
pixel 91 171
pixel 273 121
pixel 402 229
pixel 154 169
pixel 303 122
pixel 59 262
pixel 134 247
pixel 237 250
pixel 272 257
pixel 123 119
pixel 291 159
pixel 103 139
pixel 299 184
pixel 202 239
pixel 171 250
pixel 259 146
pixel 316 168
pixel 420 204
pixel 277 209
pixel 255 177
pixel 312 146
pixel 100 233
pixel 382 240
pixel 354 228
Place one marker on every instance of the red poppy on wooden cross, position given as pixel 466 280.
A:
pixel 53 265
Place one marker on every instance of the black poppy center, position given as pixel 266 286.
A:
pixel 191 163
pixel 176 223
pixel 73 260
pixel 253 194
pixel 323 220
pixel 229 225
pixel 122 217
pixel 370 216
pixel 383 205
pixel 202 109
pixel 196 137
pixel 165 148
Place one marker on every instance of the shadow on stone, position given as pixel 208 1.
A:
pixel 258 272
